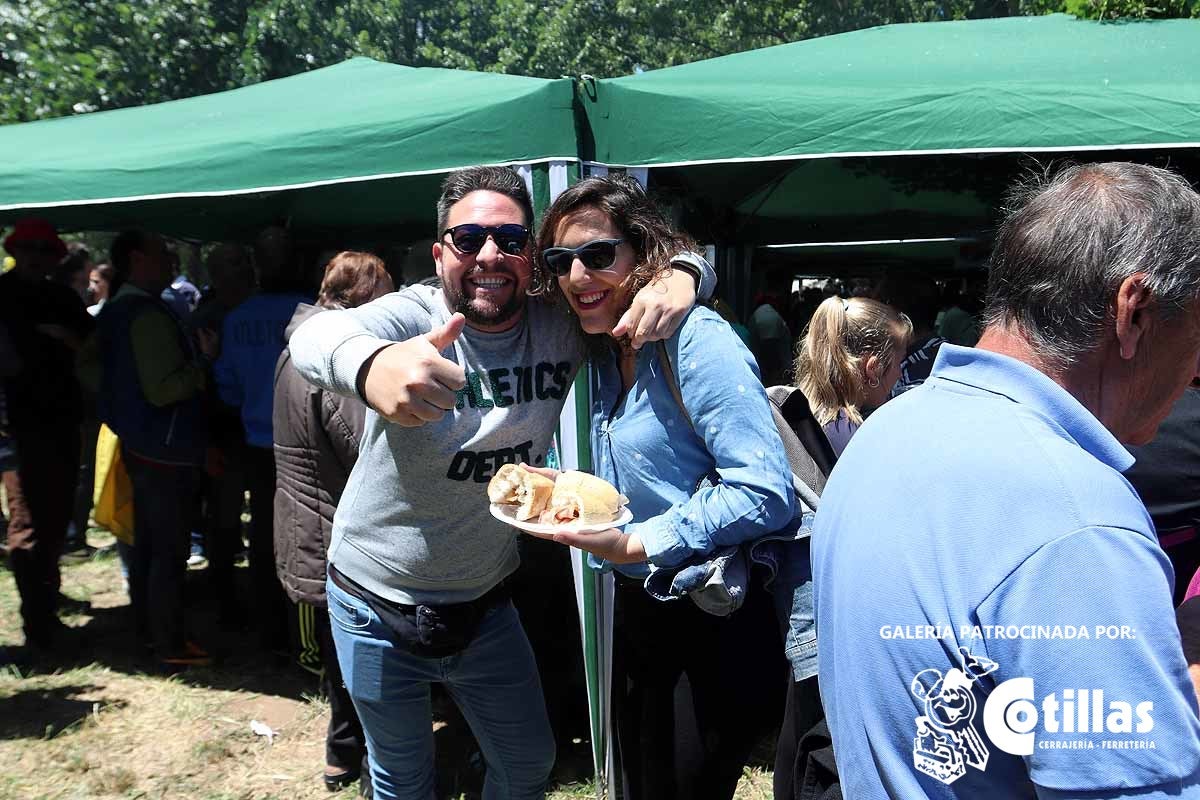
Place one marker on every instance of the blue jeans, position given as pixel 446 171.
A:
pixel 494 681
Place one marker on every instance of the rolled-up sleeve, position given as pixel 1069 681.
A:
pixel 731 415
pixel 708 276
pixel 329 349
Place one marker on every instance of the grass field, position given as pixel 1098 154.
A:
pixel 95 724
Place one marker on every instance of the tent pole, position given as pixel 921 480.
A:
pixel 593 589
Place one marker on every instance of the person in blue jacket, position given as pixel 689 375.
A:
pixel 693 693
pixel 149 376
pixel 252 338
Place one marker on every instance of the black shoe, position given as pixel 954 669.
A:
pixel 335 783
pixel 16 657
pixel 47 639
pixel 69 605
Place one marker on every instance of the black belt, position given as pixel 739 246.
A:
pixel 432 631
pixel 494 596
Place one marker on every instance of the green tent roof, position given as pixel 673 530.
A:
pixel 362 145
pixel 327 145
pixel 1018 83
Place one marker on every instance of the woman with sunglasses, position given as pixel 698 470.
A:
pixel 693 693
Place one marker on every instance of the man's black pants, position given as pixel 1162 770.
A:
pixel 158 563
pixel 39 504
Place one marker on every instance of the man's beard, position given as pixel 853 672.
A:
pixel 491 314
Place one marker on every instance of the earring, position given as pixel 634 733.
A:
pixel 873 383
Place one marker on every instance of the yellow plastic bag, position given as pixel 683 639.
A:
pixel 112 493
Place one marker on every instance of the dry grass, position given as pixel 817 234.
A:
pixel 97 725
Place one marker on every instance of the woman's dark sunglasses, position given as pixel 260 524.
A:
pixel 596 254
pixel 470 238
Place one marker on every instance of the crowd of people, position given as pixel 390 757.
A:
pixel 186 382
pixel 948 548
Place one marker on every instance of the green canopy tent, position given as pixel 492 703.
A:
pixel 357 146
pixel 1010 84
pixel 899 132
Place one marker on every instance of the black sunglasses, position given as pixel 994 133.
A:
pixel 470 238
pixel 596 254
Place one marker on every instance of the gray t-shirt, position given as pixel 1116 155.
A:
pixel 413 525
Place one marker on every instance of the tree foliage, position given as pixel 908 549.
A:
pixel 61 57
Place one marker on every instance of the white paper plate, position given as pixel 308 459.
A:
pixel 508 515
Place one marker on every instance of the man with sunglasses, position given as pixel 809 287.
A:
pixel 417 591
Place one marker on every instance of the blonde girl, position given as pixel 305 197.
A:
pixel 849 360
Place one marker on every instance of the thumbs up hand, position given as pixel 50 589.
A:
pixel 410 383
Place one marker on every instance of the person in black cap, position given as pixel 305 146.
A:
pixel 47 322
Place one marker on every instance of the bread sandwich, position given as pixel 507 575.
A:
pixel 514 485
pixel 582 498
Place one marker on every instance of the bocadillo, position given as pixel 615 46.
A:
pixel 582 498
pixel 513 485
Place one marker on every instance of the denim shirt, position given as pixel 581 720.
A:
pixel 642 443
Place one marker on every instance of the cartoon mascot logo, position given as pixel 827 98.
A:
pixel 947 740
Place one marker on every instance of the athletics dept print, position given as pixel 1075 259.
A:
pixel 958 724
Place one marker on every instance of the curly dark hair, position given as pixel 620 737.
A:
pixel 641 222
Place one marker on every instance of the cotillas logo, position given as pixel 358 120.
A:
pixel 947 741
pixel 1010 715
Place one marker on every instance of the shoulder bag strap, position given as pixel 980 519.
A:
pixel 665 361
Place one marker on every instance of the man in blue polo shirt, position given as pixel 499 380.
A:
pixel 994 610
